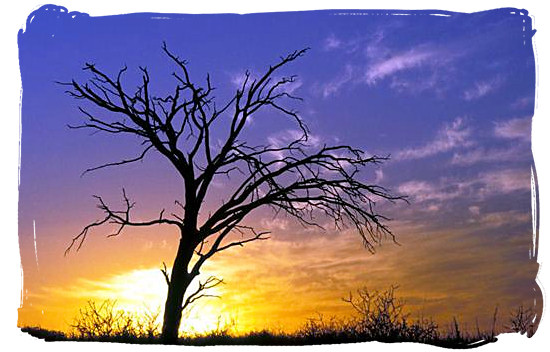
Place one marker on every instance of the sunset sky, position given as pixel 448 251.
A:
pixel 449 97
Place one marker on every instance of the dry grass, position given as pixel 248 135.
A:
pixel 379 316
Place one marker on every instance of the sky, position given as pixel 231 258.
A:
pixel 449 98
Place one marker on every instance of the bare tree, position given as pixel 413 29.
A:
pixel 306 184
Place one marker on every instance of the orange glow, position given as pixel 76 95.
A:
pixel 279 284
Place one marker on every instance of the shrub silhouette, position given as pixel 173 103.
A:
pixel 106 322
pixel 522 321
pixel 380 316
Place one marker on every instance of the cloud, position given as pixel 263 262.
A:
pixel 518 128
pixel 370 62
pixel 432 81
pixel 374 58
pixel 418 190
pixel 238 79
pixel 374 49
pixel 480 187
pixel 422 191
pixel 284 138
pixel 504 181
pixel 419 69
pixel 379 174
pixel 522 102
pixel 474 210
pixel 331 43
pixel 380 57
pixel 275 224
pixel 480 155
pixel 451 136
pixel 291 87
pixel 499 219
pixel 482 88
pixel 405 61
pixel 334 86
pixel 359 44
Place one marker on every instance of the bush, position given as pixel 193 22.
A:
pixel 523 321
pixel 105 322
pixel 380 316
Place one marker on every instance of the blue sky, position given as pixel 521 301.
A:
pixel 449 98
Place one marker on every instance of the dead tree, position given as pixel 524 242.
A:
pixel 305 183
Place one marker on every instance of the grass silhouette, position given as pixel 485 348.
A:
pixel 379 316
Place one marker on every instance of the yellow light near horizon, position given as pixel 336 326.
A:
pixel 143 291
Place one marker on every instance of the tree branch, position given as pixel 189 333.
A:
pixel 121 218
pixel 211 282
pixel 118 163
pixel 164 271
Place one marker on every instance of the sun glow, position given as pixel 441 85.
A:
pixel 142 292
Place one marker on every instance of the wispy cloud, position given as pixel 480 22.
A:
pixel 421 191
pixel 334 86
pixel 519 128
pixel 480 187
pixel 515 130
pixel 504 181
pixel 238 79
pixel 284 138
pixel 419 84
pixel 275 224
pixel 353 45
pixel 375 50
pixel 474 210
pixel 480 155
pixel 331 43
pixel 370 62
pixel 499 219
pixel 451 136
pixel 522 102
pixel 483 88
pixel 379 175
pixel 404 61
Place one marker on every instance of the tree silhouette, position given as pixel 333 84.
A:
pixel 291 178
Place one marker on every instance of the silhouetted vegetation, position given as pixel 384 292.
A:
pixel 105 322
pixel 379 316
pixel 522 321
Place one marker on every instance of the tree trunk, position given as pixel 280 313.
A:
pixel 179 282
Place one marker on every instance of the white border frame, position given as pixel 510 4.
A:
pixel 14 18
